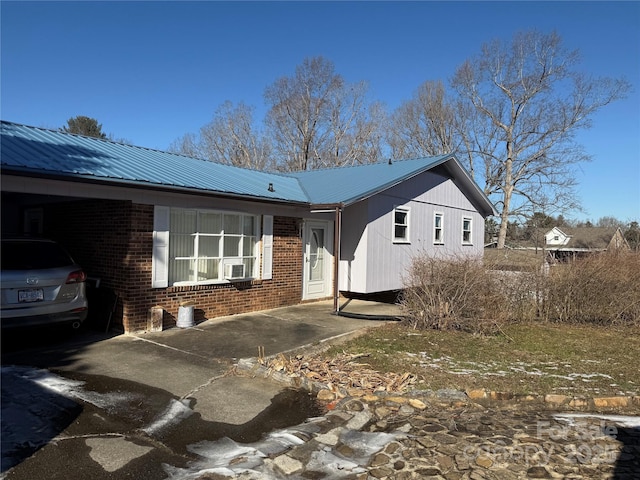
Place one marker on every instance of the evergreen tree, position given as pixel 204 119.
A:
pixel 82 125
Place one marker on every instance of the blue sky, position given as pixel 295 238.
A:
pixel 153 71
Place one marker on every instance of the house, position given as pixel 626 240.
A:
pixel 572 242
pixel 161 229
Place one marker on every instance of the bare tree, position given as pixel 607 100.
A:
pixel 610 222
pixel 229 138
pixel 424 125
pixel 354 132
pixel 528 99
pixel 189 145
pixel 316 119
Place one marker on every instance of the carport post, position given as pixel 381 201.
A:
pixel 336 259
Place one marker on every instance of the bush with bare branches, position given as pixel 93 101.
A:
pixel 457 294
pixel 465 294
pixel 601 289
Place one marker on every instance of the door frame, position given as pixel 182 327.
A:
pixel 327 287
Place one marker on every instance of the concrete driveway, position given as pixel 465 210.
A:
pixel 122 406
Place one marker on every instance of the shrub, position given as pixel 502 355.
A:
pixel 465 294
pixel 455 294
pixel 600 289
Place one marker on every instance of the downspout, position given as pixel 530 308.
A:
pixel 337 233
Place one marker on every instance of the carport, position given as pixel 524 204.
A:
pixel 87 228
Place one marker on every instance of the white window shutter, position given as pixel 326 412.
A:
pixel 267 247
pixel 160 264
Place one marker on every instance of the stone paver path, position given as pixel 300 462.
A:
pixel 373 437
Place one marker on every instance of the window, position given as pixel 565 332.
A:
pixel 466 231
pixel 438 228
pixel 401 225
pixel 208 246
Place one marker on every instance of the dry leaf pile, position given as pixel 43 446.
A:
pixel 342 374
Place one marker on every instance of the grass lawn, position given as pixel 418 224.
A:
pixel 572 360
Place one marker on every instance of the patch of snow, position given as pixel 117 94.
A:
pixel 621 420
pixel 226 457
pixel 72 389
pixel 177 411
pixel 332 466
pixel 488 369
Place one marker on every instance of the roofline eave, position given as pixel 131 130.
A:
pixel 75 178
pixel 469 182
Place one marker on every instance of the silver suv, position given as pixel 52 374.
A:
pixel 41 285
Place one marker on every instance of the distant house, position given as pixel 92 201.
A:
pixel 161 229
pixel 573 242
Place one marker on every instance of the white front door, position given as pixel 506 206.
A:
pixel 317 259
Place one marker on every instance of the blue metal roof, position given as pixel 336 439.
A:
pixel 38 151
pixel 348 185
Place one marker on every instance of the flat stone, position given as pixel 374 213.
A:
pixel 354 406
pixel 326 395
pixel 392 448
pixel 370 398
pixel 504 474
pixel 359 420
pixel 345 450
pixel 433 427
pixel 556 399
pixel 462 462
pixel 419 404
pixel 427 442
pixel 406 410
pixel 429 472
pixel 304 452
pixel 380 472
pixel 403 476
pixel 484 461
pixel 619 402
pixel 476 394
pixel 445 462
pixel 477 475
pixel 287 465
pixel 578 403
pixel 406 428
pixel 449 394
pixel 538 472
pixel 445 438
pixel 382 412
pixel 355 392
pixel 379 460
pixel 330 438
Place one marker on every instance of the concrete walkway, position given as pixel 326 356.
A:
pixel 160 392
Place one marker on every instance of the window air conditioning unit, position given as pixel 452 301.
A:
pixel 234 271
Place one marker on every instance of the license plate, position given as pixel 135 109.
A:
pixel 31 295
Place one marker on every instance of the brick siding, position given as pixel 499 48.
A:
pixel 113 241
